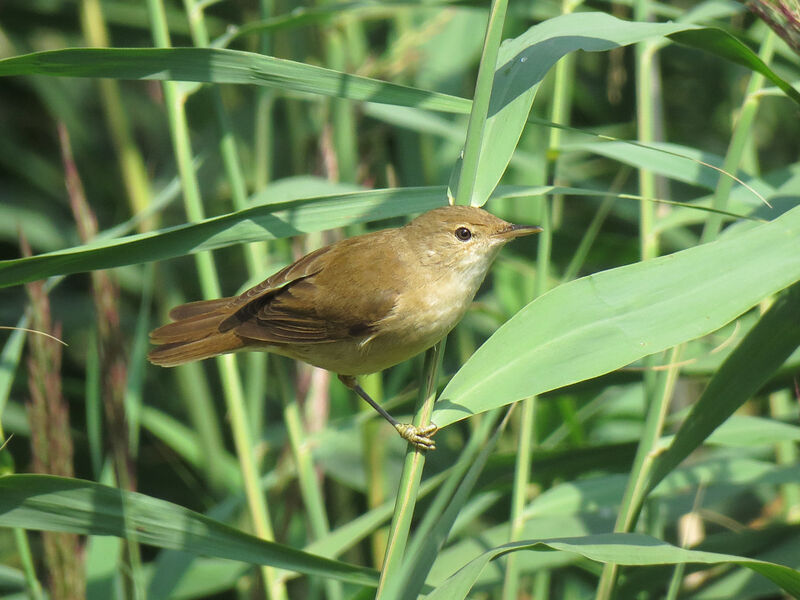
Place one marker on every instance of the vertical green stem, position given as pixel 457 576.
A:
pixel 783 407
pixel 561 105
pixel 342 118
pixel 480 102
pixel 131 163
pixel 645 118
pixel 412 472
pixel 522 469
pixel 234 395
pixel 527 440
pixel 659 391
pixel 733 159
pixel 9 359
pixel 738 144
pixel 256 499
pixel 657 404
pixel 440 515
pixel 26 558
pixel 262 158
pixel 374 467
pixel 309 485
pixel 253 253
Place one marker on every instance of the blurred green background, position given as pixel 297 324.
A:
pixel 101 158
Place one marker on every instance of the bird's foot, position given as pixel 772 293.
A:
pixel 419 436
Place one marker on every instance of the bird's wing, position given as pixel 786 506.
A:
pixel 309 302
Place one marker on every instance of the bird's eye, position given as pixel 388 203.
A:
pixel 463 234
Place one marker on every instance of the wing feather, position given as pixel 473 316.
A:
pixel 309 301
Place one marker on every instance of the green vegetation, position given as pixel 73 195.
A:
pixel 619 410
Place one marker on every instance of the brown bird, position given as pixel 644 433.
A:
pixel 357 306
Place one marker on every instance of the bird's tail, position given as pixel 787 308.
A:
pixel 194 334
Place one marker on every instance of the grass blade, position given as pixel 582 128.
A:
pixel 619 548
pixel 47 503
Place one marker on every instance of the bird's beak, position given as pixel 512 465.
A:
pixel 515 231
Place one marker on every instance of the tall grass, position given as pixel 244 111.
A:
pixel 623 397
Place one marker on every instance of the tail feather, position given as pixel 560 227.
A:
pixel 201 307
pixel 193 336
pixel 189 329
pixel 178 353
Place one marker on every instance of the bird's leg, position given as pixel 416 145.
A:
pixel 419 436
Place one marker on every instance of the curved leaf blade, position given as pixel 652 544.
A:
pixel 250 225
pixel 48 503
pixel 600 323
pixel 523 63
pixel 619 548
pixel 216 65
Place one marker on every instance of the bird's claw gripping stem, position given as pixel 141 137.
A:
pixel 419 436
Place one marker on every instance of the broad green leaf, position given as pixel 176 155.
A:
pixel 172 569
pixel 455 556
pixel 767 345
pixel 250 225
pixel 602 322
pixel 47 503
pixel 215 65
pixel 525 60
pixel 521 66
pixel 618 548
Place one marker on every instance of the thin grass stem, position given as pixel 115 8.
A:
pixel 342 119
pixel 647 82
pixel 209 282
pixel 412 473
pixel 560 111
pixel 739 140
pixel 309 485
pixel 659 388
pixel 374 463
pixel 480 103
pixel 131 163
pixel 34 588
pixel 265 99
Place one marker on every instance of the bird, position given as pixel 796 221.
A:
pixel 358 306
